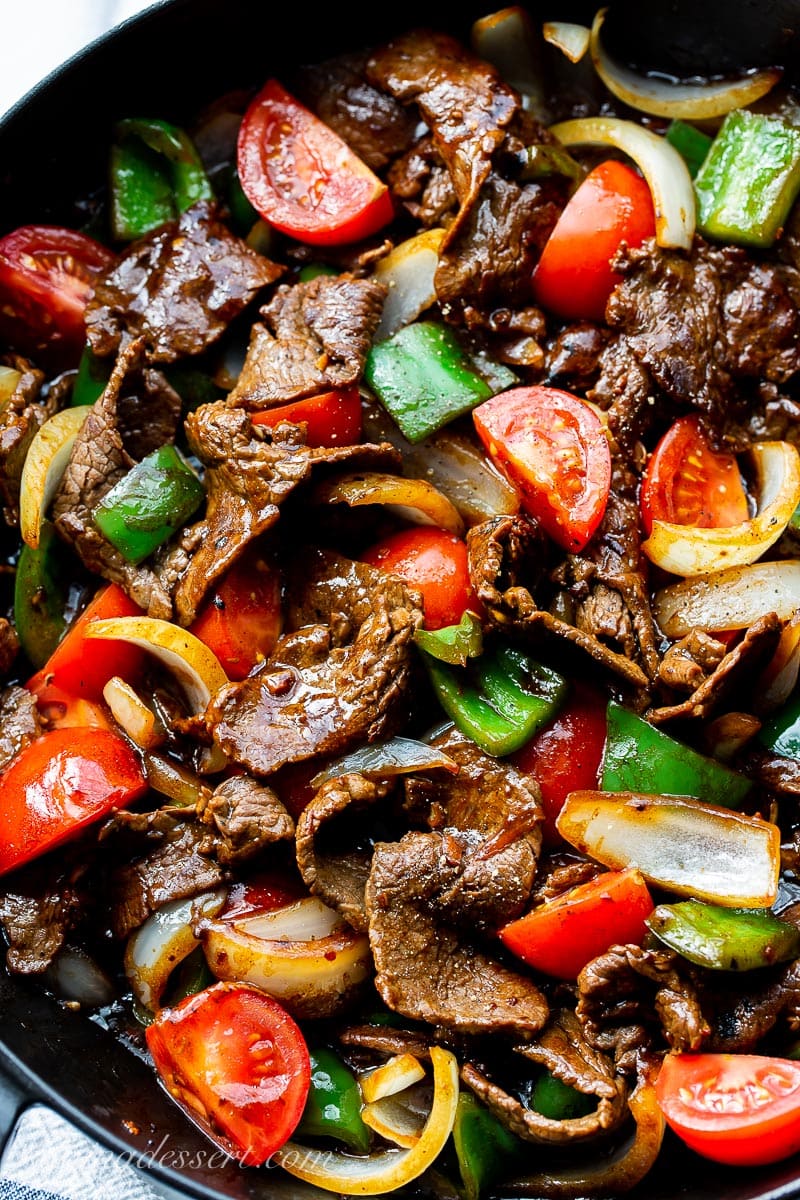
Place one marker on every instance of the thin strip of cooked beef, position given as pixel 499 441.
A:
pixel 314 337
pixel 246 817
pixel 327 686
pixel 20 418
pixel 508 568
pixel 572 356
pixel 372 123
pixel 743 1013
pixel 42 906
pixel 421 182
pixel 563 1051
pixel 425 968
pixel 20 722
pixel 178 287
pixel 9 647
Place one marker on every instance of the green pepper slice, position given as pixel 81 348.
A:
pixel 691 143
pixel 781 734
pixel 333 1107
pixel 41 595
pixel 724 939
pixel 485 1149
pixel 90 382
pixel 556 1100
pixel 640 758
pixel 156 173
pixel 453 644
pixel 149 504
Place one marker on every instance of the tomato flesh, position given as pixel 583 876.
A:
pixel 553 449
pixel 302 178
pixel 241 621
pixel 46 276
pixel 331 419
pixel 740 1109
pixel 565 757
pixel 63 781
pixel 560 937
pixel 573 277
pixel 434 562
pixel 687 482
pixel 237 1063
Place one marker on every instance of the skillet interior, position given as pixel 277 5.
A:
pixel 53 148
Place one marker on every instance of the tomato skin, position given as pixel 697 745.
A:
pixel 332 418
pixel 261 893
pixel 65 780
pixel 739 1109
pixel 573 276
pixel 243 1061
pixel 566 755
pixel 242 619
pixel 687 482
pixel 302 178
pixel 434 562
pixel 560 937
pixel 553 449
pixel 46 276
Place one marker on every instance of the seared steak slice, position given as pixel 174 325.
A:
pixel 247 817
pixel 20 723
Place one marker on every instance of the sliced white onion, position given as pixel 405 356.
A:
pixel 290 955
pixel 678 843
pixel 132 714
pixel 178 783
pixel 571 40
pixel 667 98
pixel 45 463
pixel 392 1120
pixel 165 939
pixel 779 678
pixel 9 378
pixel 398 756
pixel 687 550
pixel 662 166
pixel 196 668
pixel 408 271
pixel 375 1174
pixel 399 1073
pixel 507 39
pixel 77 977
pixel 732 599
pixel 412 500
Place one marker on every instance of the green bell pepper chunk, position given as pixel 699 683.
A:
pixel 640 758
pixel 781 734
pixel 485 1149
pixel 453 644
pixel 424 378
pixel 557 1101
pixel 749 180
pixel 314 270
pixel 90 382
pixel 691 143
pixel 41 595
pixel 156 173
pixel 724 939
pixel 333 1107
pixel 501 700
pixel 195 387
pixel 189 977
pixel 149 504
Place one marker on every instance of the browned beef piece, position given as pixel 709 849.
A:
pixel 563 1051
pixel 557 875
pixel 247 817
pixel 136 413
pixel 775 419
pixel 20 420
pixel 742 1014
pixel 371 122
pixel 337 868
pixel 778 774
pixel 36 927
pixel 315 336
pixel 422 183
pixel 250 471
pixel 9 646
pixel 507 558
pixel 690 661
pixel 426 969
pixel 385 1040
pixel 626 391
pixel 629 998
pixel 20 723
pixel 740 666
pixel 573 355
pixel 332 685
pixel 178 287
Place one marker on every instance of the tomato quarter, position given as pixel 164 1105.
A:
pixel 237 1064
pixel 302 178
pixel 242 619
pixel 331 419
pixel 740 1109
pixel 573 276
pixel 553 448
pixel 687 482
pixel 433 561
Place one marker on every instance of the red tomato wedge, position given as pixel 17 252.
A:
pixel 241 621
pixel 331 419
pixel 565 757
pixel 302 178
pixel 553 449
pixel 560 937
pixel 433 561
pixel 237 1064
pixel 687 482
pixel 261 893
pixel 573 277
pixel 740 1109
pixel 61 782
pixel 46 276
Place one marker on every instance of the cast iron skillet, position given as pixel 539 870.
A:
pixel 53 148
